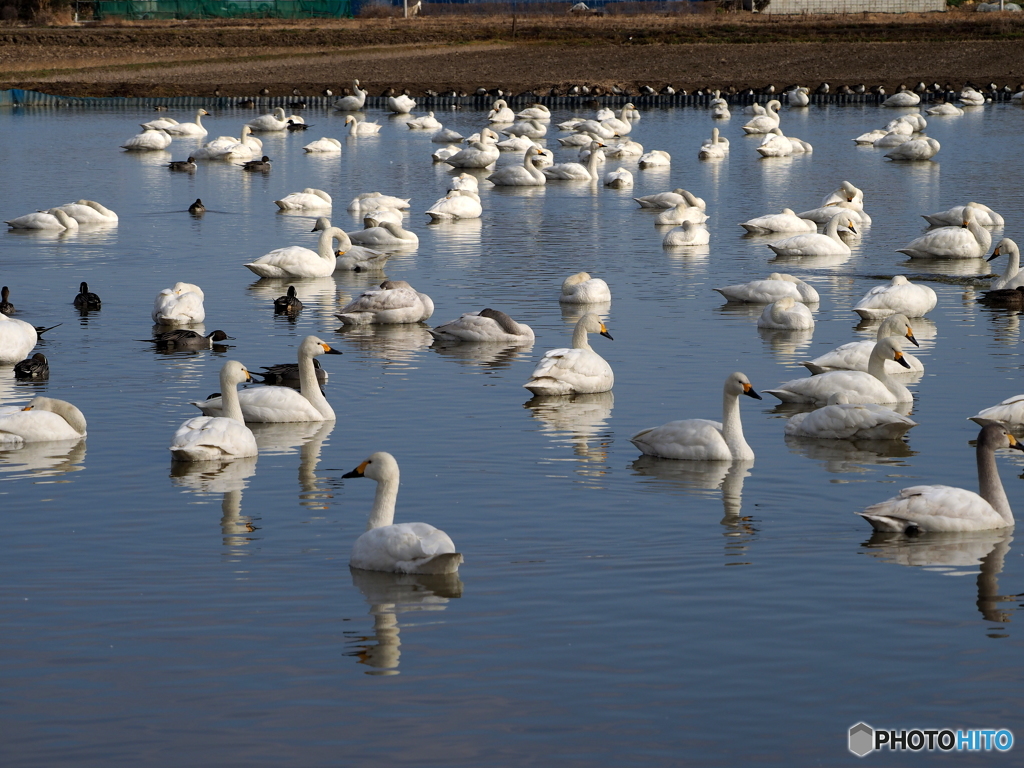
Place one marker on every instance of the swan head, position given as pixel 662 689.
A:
pixel 850 190
pixel 312 346
pixel 70 413
pixel 592 323
pixel 739 384
pixel 322 223
pixel 993 436
pixel 848 223
pixel 233 372
pixel 890 348
pixel 897 325
pixel 838 398
pixel 1006 245
pixel 379 466
pixel 571 280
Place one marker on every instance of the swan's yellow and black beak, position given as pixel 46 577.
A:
pixel 28 408
pixel 245 370
pixel 329 350
pixel 1014 442
pixel 850 227
pixel 910 335
pixel 749 392
pixel 995 254
pixel 965 224
pixel 339 253
pixel 604 332
pixel 358 471
pixel 898 357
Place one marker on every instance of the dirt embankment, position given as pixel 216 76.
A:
pixel 462 53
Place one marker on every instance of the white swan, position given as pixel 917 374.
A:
pixel 185 129
pixel 891 139
pixel 535 112
pixel 89 212
pixel 1012 277
pixel 579 370
pixel 457 204
pixel 230 149
pixel 854 356
pixel 899 296
pixel 368 201
pixel 815 244
pixel 425 123
pixel 446 136
pixel 924 508
pixel 270 123
pixel 787 221
pixel 149 140
pixel 824 214
pixel 945 109
pixel 297 261
pixel 325 145
pixel 479 154
pixel 670 200
pixel 924 148
pixel 657 158
pixel 619 178
pixel 680 213
pixel 351 103
pixel 968 241
pixel 384 234
pixel 380 215
pixel 307 199
pixel 626 148
pixel 581 288
pixel 442 154
pixel 714 148
pixel 798 96
pixel 525 175
pixel 54 219
pixel 464 181
pixel 686 234
pixel 401 104
pixel 764 123
pixel 183 303
pixel 577 171
pixel 532 129
pixel 44 419
pixel 776 286
pixel 284 404
pixel 971 97
pixel 702 439
pixel 217 438
pixel 402 547
pixel 870 137
pixel 774 144
pixel 847 193
pixel 786 313
pixel 902 99
pixel 394 302
pixel 842 420
pixel 16 339
pixel 954 217
pixel 500 113
pixel 361 127
pixel 516 144
pixel 1009 412
pixel 485 325
pixel 875 386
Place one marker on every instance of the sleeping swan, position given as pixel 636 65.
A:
pixel 43 419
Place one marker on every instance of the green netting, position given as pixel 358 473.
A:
pixel 222 9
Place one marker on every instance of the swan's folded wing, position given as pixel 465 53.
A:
pixel 686 439
pixel 219 435
pixel 380 300
pixel 934 508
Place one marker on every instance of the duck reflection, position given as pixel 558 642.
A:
pixel 43 459
pixel 391 594
pixel 487 355
pixel 316 293
pixel 579 421
pixel 954 554
pixel 845 456
pixel 1005 325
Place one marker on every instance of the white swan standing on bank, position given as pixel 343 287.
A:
pixel 402 547
pixel 899 296
pixel 352 103
pixel 842 420
pixel 702 439
pixel 16 339
pixel 89 212
pixel 786 313
pixel 298 261
pixel 284 404
pixel 393 302
pixel 815 244
pixel 307 199
pixel 875 386
pixel 44 419
pixel 55 219
pixel 525 175
pixel 218 438
pixel 776 286
pixel 854 355
pixel 579 370
pixel 787 221
pixel 485 325
pixel 930 508
pixel 180 304
pixel 968 241
pixel 581 288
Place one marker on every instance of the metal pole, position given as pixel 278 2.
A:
pixel 405 8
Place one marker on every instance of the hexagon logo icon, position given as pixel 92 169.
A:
pixel 862 739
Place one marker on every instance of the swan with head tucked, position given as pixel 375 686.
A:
pixel 218 438
pixel 535 112
pixel 875 386
pixel 577 171
pixel 815 244
pixel 298 261
pixel 16 339
pixel 680 213
pixel 182 303
pixel 479 154
pixel 397 547
pixel 902 99
pixel 500 113
pixel 702 439
pixel 425 123
pixel 150 140
pixel 842 420
pixel 688 233
pixel 657 158
pixel 307 199
pixel 325 145
pixel 787 221
pixel 183 129
pixel 284 404
pixel 351 103
pixel 776 286
pixel 384 234
pixel 899 296
pixel 579 370
pixel 764 123
pixel 970 240
pixel 401 104
pixel 1010 412
pixel 945 109
pixel 930 508
pixel 44 419
pixel 954 217
pixel 581 288
pixel 273 122
pixel 393 302
pixel 619 178
pixel 368 201
pixel 457 204
pixel 671 199
pixel 55 219
pixel 775 144
pixel 786 313
pixel 89 212
pixel 924 148
pixel 847 193
pixel 525 175
pixel 854 356
pixel 485 325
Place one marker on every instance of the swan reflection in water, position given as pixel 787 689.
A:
pixel 307 438
pixel 391 594
pixel 571 313
pixel 954 554
pixel 786 343
pixel 396 344
pixel 488 355
pixel 43 459
pixel 579 421
pixel 845 456
pixel 229 478
pixel 698 478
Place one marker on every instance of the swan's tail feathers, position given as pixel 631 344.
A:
pixel 446 563
pixel 813 368
pixel 891 524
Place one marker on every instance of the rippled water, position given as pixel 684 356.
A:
pixel 612 610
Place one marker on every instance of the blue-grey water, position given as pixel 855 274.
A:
pixel 611 611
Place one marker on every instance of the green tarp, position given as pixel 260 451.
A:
pixel 223 9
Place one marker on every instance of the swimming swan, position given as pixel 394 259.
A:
pixel 185 129
pixel 54 219
pixel 670 200
pixel 787 221
pixel 815 244
pixel 230 149
pixel 577 171
pixel 306 199
pixel 479 154
pixel 275 121
pixel 581 288
pixel 924 148
pixel 147 141
pixel 923 508
pixel 217 438
pixel 854 355
pixel 16 339
pixel 485 325
pixel 899 296
pixel 425 123
pixel 368 201
pixel 619 178
pixel 842 420
pixel 384 234
pixel 702 439
pixel 401 547
pixel 776 286
pixel 182 303
pixel 401 104
pixel 954 217
pixel 42 420
pixel 970 240
pixel 361 127
pixel 297 261
pixel 1012 277
pixel 525 175
pixel 457 204
pixel 689 233
pixel 325 145
pixel 579 370
pixel 284 404
pixel 351 103
pixel 714 148
pixel 393 302
pixel 764 123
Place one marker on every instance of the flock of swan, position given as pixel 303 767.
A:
pixel 856 389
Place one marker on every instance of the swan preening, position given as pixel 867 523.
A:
pixel 150 140
pixel 217 438
pixel 1010 412
pixel 786 313
pixel 776 286
pixel 392 302
pixel 671 199
pixel 954 217
pixel 307 199
pixel 840 419
pixel 787 221
pixel 701 439
pixel 351 103
pixel 931 508
pixel 44 419
pixel 401 547
pixel 579 370
pixel 815 244
pixel 924 148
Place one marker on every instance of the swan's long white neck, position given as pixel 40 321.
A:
pixel 531 168
pixel 592 162
pixel 832 230
pixel 990 487
pixel 1013 265
pixel 66 411
pixel 231 407
pixel 579 337
pixel 876 367
pixel 327 238
pixel 732 428
pixel 309 387
pixel 982 235
pixel 383 512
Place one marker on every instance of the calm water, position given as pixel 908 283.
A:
pixel 611 611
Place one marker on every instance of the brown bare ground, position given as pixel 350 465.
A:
pixel 540 53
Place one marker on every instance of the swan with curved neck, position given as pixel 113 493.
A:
pixel 361 127
pixel 814 244
pixel 386 233
pixel 702 439
pixel 970 240
pixel 525 175
pixel 216 438
pixel 842 420
pixel 924 508
pixel 402 547
pixel 786 313
pixel 273 122
pixel 577 171
pixel 189 129
pixel 88 212
pixel 855 355
pixel 297 261
pixel 581 288
pixel 479 154
pixel 53 219
pixel 353 102
pixel 43 419
pixel 764 123
pixel 1012 277
pixel 579 370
